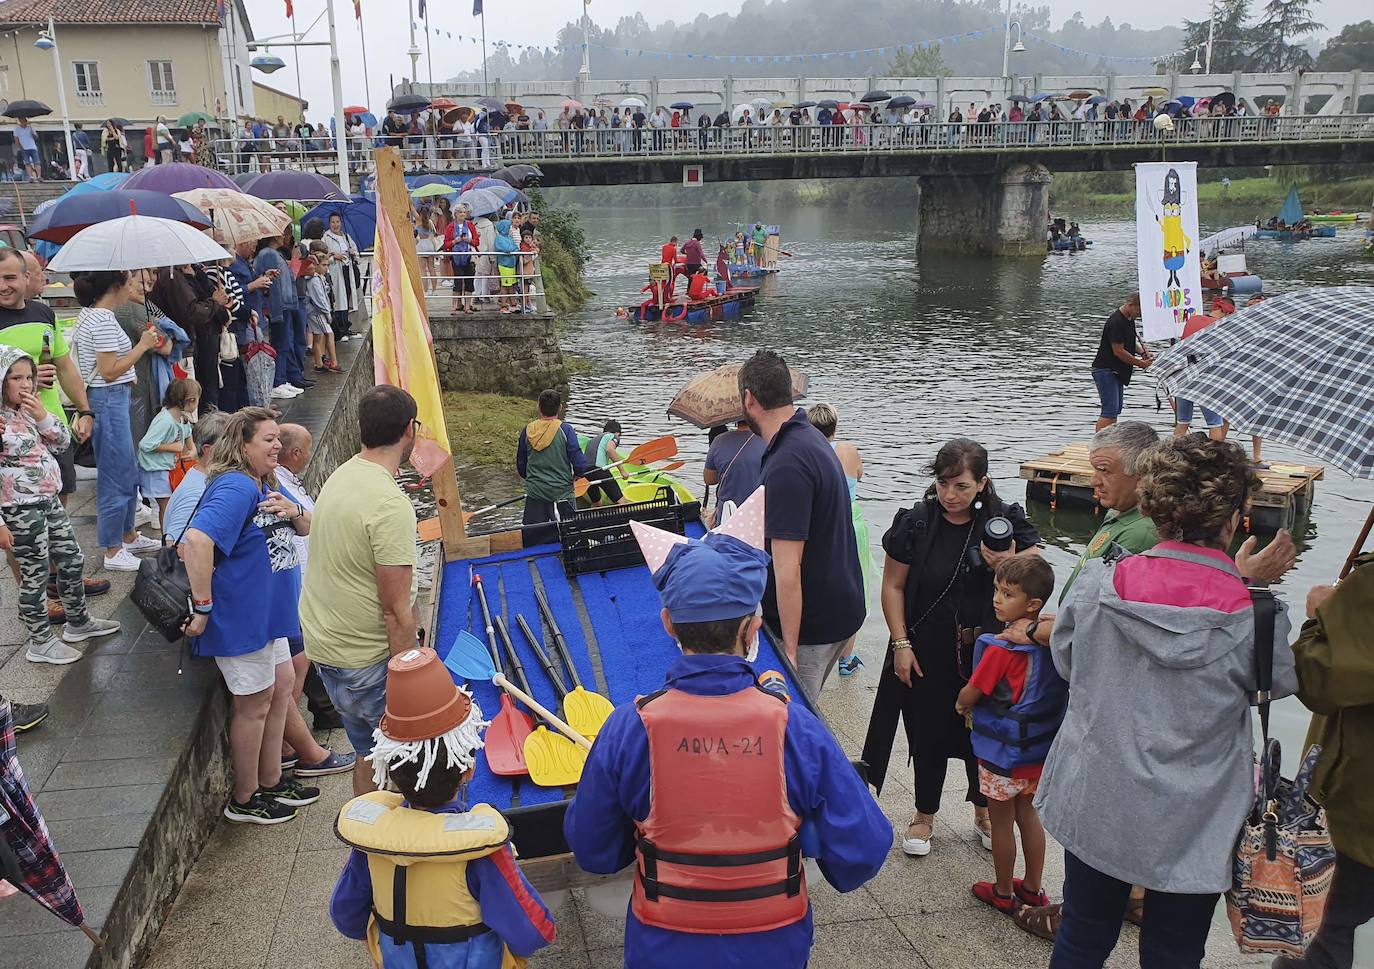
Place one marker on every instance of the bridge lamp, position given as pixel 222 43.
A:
pixel 267 63
pixel 1197 64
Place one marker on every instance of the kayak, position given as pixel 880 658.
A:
pixel 1334 217
pixel 638 483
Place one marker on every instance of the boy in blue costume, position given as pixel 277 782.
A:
pixel 711 785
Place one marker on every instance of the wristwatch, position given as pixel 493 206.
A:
pixel 1031 628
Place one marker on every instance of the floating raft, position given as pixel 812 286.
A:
pixel 1066 477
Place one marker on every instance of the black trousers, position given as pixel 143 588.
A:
pixel 1349 906
pixel 603 482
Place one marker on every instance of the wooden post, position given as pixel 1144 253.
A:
pixel 395 204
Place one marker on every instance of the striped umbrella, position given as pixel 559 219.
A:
pixel 1297 368
pixel 28 859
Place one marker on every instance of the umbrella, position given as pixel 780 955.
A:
pixel 514 108
pixel 901 101
pixel 359 216
pixel 491 104
pixel 296 185
pixel 367 118
pixel 118 122
pixel 1186 100
pixel 1018 98
pixel 70 215
pixel 431 190
pixel 873 97
pixel 633 102
pixel 713 398
pixel 760 104
pixel 1041 96
pixel 407 103
pixel 192 118
pixel 420 181
pixel 460 113
pixel 1155 92
pixel 26 109
pixel 482 201
pixel 1097 99
pixel 177 177
pixel 243 178
pixel 1295 368
pixel 355 109
pixel 443 104
pixel 237 217
pixel 517 175
pixel 682 106
pixel 830 103
pixel 570 103
pixel 1227 98
pixel 28 859
pixel 806 104
pixel 1079 95
pixel 136 242
pixel 858 106
pixel 923 105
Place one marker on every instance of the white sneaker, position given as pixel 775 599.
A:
pixel 58 654
pixel 143 544
pixel 144 516
pixel 284 392
pixel 121 561
pixel 294 389
pixel 72 633
pixel 917 847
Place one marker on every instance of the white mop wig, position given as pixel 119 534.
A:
pixel 460 745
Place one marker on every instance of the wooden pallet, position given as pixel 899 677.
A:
pixel 1066 475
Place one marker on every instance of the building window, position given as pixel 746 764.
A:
pixel 88 90
pixel 161 87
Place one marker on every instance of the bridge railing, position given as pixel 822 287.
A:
pixel 482 152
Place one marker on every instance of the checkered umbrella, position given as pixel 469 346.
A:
pixel 1298 368
pixel 28 859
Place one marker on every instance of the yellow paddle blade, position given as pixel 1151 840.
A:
pixel 586 712
pixel 553 760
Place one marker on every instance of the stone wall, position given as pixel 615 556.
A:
pixel 514 355
pixel 338 440
pixel 1002 214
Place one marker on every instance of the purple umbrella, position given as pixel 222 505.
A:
pixel 28 859
pixel 177 177
pixel 68 216
pixel 293 186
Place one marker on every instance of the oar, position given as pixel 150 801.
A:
pixel 586 711
pixel 505 742
pixel 659 449
pixel 552 761
pixel 555 677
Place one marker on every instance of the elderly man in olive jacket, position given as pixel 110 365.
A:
pixel 1335 664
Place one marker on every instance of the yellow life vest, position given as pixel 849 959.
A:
pixel 418 862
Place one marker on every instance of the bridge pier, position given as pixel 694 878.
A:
pixel 999 214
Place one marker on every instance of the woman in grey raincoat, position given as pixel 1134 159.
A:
pixel 1152 773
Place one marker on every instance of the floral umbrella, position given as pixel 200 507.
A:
pixel 236 217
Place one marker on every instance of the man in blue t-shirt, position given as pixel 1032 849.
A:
pixel 815 600
pixel 733 465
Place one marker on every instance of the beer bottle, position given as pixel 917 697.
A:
pixel 45 355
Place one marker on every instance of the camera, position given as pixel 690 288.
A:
pixel 997 535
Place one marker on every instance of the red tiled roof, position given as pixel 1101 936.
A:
pixel 110 11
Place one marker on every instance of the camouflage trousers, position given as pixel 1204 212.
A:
pixel 42 532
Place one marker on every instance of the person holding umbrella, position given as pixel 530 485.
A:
pixel 27 140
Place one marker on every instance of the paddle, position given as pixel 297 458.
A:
pixel 586 711
pixel 555 677
pixel 551 759
pixel 505 741
pixel 659 449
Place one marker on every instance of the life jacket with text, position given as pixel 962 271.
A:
pixel 720 850
pixel 423 915
pixel 1010 735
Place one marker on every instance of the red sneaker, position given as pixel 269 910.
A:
pixel 987 892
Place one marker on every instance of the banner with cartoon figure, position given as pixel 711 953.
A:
pixel 1166 235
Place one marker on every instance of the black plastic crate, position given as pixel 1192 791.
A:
pixel 600 539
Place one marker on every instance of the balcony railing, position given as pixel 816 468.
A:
pixel 163 97
pixel 90 98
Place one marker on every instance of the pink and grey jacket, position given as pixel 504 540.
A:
pixel 28 471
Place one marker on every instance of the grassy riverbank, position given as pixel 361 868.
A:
pixel 484 428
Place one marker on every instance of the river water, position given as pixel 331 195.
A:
pixel 915 351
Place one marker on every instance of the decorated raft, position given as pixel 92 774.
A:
pixel 722 306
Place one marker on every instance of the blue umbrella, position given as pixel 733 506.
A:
pixel 1097 99
pixel 682 106
pixel 78 211
pixel 368 119
pixel 1042 96
pixel 359 216
pixel 1187 100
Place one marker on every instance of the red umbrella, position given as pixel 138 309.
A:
pixel 28 859
pixel 443 104
pixel 355 109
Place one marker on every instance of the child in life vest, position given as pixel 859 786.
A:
pixel 431 883
pixel 1017 700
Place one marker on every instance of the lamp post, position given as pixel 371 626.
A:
pixel 47 40
pixel 270 64
pixel 586 72
pixel 1008 49
pixel 1211 31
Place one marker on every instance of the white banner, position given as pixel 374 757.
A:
pixel 1166 241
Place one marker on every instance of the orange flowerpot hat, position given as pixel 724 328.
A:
pixel 425 712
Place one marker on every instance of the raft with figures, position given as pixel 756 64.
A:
pixel 720 306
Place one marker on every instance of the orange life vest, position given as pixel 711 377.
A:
pixel 720 851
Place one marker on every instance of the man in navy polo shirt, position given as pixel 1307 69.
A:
pixel 815 601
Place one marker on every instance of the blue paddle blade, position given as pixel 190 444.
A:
pixel 468 658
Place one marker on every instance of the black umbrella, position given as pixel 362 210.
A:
pixel 901 101
pixel 492 104
pixel 873 97
pixel 682 106
pixel 118 122
pixel 407 104
pixel 1227 98
pixel 806 104
pixel 26 109
pixel 830 103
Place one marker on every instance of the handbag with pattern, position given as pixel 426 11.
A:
pixel 1284 859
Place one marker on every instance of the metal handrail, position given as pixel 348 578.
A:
pixel 461 153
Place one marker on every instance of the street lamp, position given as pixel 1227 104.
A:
pixel 586 72
pixel 270 63
pixel 1007 49
pixel 47 40
pixel 1197 64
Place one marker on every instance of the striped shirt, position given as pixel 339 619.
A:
pixel 222 276
pixel 97 331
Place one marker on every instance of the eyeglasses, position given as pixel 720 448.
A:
pixel 417 424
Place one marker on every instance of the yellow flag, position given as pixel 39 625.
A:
pixel 402 346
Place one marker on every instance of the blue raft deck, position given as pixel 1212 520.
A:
pixel 612 626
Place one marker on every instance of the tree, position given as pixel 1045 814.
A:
pixel 1350 50
pixel 1232 37
pixel 1277 34
pixel 921 62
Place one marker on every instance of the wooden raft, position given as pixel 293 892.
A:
pixel 1066 476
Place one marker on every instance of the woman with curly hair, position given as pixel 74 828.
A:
pixel 1152 773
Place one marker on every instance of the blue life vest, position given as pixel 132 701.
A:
pixel 1010 735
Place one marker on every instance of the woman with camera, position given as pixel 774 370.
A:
pixel 937 599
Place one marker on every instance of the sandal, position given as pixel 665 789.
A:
pixel 1041 921
pixel 914 845
pixel 984 825
pixel 987 892
pixel 1135 911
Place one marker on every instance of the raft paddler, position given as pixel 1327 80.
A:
pixel 692 254
pixel 430 882
pixel 549 457
pixel 713 787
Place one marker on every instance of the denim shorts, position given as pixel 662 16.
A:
pixel 1111 391
pixel 360 697
pixel 1183 414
